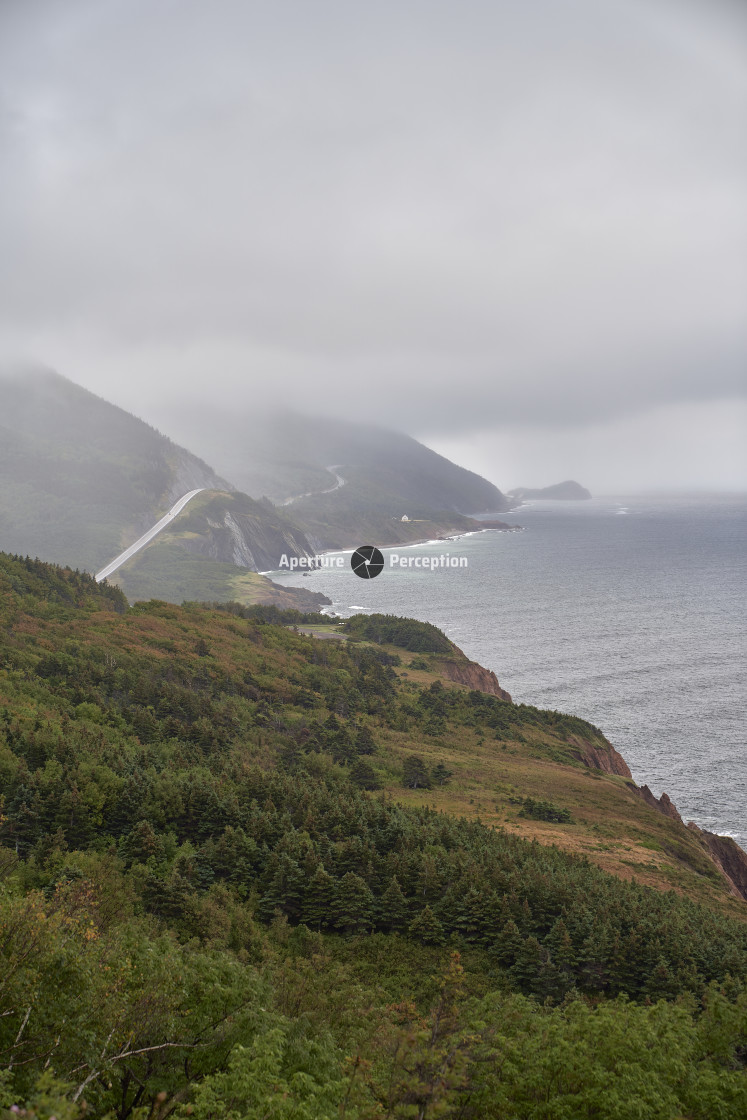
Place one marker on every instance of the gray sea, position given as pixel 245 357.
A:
pixel 629 612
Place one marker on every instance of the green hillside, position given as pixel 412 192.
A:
pixel 213 551
pixel 248 872
pixel 387 475
pixel 80 478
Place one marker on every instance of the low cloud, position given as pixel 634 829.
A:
pixel 440 216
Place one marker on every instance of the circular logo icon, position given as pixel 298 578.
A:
pixel 367 562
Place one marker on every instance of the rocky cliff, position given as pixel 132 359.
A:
pixel 474 676
pixel 729 858
pixel 599 756
pixel 663 804
pixel 235 529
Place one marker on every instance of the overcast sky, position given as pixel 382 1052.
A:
pixel 517 230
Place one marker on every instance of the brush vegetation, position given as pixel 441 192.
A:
pixel 204 910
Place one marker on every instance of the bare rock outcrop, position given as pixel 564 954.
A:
pixel 730 859
pixel 599 756
pixel 234 529
pixel 663 804
pixel 727 855
pixel 474 676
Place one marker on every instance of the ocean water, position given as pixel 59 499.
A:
pixel 629 612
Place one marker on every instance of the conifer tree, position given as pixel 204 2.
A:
pixel 317 905
pixel 363 775
pixel 415 773
pixel 285 891
pixel 365 742
pixel 508 944
pixel 353 905
pixel 393 908
pixel 529 963
pixel 427 928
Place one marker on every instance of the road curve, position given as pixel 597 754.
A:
pixel 339 481
pixel 147 537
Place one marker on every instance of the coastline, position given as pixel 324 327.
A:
pixel 682 740
pixel 484 528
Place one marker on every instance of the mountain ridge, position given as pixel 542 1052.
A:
pixel 387 476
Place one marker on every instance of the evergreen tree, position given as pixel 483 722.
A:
pixel 285 891
pixel 365 742
pixel 427 928
pixel 415 773
pixel 560 946
pixel 393 908
pixel 363 776
pixel 318 900
pixel 530 962
pixel 441 774
pixel 508 944
pixel 353 905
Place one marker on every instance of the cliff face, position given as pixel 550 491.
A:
pixel 663 804
pixel 474 676
pixel 234 529
pixel 729 858
pixel 598 757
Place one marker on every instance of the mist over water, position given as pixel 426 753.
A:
pixel 625 611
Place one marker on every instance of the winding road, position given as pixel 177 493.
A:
pixel 339 481
pixel 147 537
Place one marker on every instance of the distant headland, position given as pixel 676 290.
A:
pixel 562 491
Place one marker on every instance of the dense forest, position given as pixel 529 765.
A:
pixel 211 907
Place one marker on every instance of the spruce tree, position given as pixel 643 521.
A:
pixel 353 905
pixel 393 907
pixel 317 905
pixel 427 928
pixel 508 944
pixel 363 776
pixel 365 742
pixel 285 891
pixel 415 773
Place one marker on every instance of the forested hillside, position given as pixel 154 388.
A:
pixel 215 903
pixel 386 473
pixel 79 477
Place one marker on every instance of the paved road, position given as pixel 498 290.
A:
pixel 339 481
pixel 147 537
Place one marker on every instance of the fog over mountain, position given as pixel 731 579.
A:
pixel 517 232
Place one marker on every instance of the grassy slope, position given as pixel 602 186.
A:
pixel 165 571
pixel 168 569
pixel 611 826
pixel 81 478
pixel 156 818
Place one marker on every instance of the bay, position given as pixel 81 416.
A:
pixel 627 611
